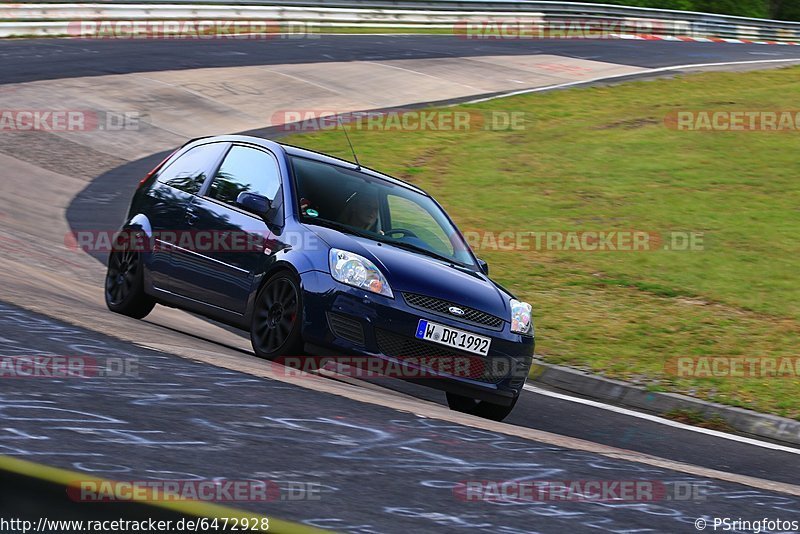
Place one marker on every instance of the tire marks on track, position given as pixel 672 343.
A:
pixel 368 462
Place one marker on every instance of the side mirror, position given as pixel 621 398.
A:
pixel 484 266
pixel 254 203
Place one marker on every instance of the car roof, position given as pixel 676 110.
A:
pixel 296 151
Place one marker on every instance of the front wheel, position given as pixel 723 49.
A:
pixel 275 329
pixel 487 410
pixel 124 290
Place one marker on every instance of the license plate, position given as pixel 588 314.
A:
pixel 453 337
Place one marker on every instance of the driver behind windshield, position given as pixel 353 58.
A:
pixel 360 211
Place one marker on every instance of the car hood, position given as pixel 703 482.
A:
pixel 408 271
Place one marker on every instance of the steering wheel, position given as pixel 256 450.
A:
pixel 404 231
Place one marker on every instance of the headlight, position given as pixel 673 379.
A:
pixel 521 318
pixel 358 271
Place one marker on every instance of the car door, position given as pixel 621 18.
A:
pixel 176 185
pixel 232 240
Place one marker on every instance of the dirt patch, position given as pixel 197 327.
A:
pixel 629 124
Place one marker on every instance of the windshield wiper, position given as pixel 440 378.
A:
pixel 421 250
pixel 341 227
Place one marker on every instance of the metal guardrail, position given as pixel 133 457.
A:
pixel 51 18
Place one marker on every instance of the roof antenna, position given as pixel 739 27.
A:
pixel 358 165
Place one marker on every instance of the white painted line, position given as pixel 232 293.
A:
pixel 661 420
pixel 412 71
pixel 297 78
pixel 625 75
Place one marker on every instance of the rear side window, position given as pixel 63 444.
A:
pixel 245 170
pixel 189 171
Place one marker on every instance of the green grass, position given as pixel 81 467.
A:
pixel 602 159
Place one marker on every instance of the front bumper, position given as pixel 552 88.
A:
pixel 340 320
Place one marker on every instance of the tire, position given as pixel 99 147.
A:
pixel 124 285
pixel 487 410
pixel 277 317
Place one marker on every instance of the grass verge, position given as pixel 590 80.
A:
pixel 604 159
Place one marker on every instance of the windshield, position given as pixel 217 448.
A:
pixel 360 204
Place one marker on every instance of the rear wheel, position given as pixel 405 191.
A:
pixel 275 330
pixel 125 283
pixel 487 410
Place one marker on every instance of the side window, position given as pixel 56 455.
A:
pixel 245 170
pixel 189 171
pixel 409 215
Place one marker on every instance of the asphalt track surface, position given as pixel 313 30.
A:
pixel 380 469
pixel 372 469
pixel 37 59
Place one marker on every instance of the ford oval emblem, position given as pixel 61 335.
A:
pixel 455 311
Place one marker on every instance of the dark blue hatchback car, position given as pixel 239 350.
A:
pixel 319 257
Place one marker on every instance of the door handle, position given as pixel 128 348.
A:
pixel 191 217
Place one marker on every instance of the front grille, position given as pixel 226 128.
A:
pixel 440 307
pixel 346 328
pixel 442 359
